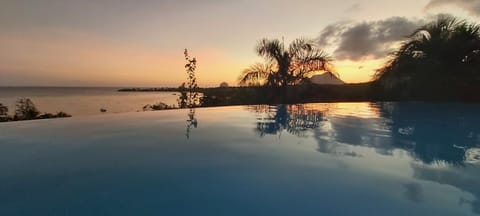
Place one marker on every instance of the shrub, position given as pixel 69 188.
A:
pixel 3 113
pixel 25 110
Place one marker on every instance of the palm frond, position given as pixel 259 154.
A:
pixel 270 49
pixel 310 60
pixel 256 73
pixel 299 46
pixel 288 65
pixel 448 47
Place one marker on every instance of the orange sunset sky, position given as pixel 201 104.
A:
pixel 140 43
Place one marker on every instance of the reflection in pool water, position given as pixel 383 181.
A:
pixel 443 141
pixel 295 119
pixel 433 135
pixel 192 122
pixel 309 159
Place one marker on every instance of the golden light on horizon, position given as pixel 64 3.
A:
pixel 358 71
pixel 74 43
pixel 83 58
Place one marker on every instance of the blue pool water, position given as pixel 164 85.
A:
pixel 312 159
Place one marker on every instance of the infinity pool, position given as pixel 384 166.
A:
pixel 311 159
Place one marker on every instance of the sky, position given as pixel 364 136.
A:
pixel 132 43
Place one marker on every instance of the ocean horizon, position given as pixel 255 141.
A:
pixel 83 101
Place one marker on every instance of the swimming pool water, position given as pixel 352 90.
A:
pixel 309 159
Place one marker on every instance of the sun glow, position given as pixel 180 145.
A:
pixel 358 71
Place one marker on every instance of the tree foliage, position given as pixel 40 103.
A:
pixel 443 53
pixel 25 109
pixel 189 91
pixel 285 65
pixel 223 85
pixel 3 112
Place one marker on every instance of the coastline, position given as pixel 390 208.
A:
pixel 310 93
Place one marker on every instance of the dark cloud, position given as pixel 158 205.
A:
pixel 356 41
pixel 331 33
pixel 472 6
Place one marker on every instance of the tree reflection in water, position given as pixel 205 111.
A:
pixel 295 119
pixel 443 139
pixel 439 133
pixel 432 133
pixel 191 122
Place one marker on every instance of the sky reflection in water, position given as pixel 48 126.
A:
pixel 437 143
pixel 313 159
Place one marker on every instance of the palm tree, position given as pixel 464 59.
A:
pixel 258 72
pixel 285 66
pixel 443 52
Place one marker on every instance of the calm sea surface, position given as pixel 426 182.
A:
pixel 83 101
pixel 341 159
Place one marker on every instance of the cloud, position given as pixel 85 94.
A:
pixel 331 33
pixel 354 8
pixel 472 6
pixel 360 40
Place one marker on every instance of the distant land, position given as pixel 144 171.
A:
pixel 327 78
pixel 160 89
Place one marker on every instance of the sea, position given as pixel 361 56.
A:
pixel 84 101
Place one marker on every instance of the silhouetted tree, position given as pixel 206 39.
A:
pixel 223 85
pixel 285 65
pixel 25 109
pixel 182 98
pixel 3 112
pixel 255 74
pixel 189 91
pixel 443 53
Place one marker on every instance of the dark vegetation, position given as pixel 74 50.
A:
pixel 189 95
pixel 410 124
pixel 25 109
pixel 157 106
pixel 164 89
pixel 304 93
pixel 249 95
pixel 285 66
pixel 3 113
pixel 189 92
pixel 439 61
